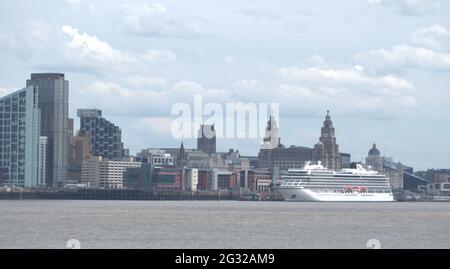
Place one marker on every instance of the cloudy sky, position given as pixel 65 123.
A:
pixel 381 66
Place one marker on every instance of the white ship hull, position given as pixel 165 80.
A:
pixel 307 195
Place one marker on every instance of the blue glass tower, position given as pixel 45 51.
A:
pixel 19 138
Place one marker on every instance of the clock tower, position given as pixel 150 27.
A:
pixel 327 151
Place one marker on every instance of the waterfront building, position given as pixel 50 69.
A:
pixel 186 160
pixel 42 163
pixel 189 179
pixel 435 175
pixel 345 160
pixel 272 138
pixel 104 173
pixel 222 180
pixel 206 139
pixel 79 151
pixel 374 159
pixel 386 165
pixel 19 138
pixel 132 179
pixel 139 178
pixel 439 189
pixel 327 151
pixel 167 179
pixel 397 173
pixel 413 182
pixel 252 161
pixel 198 159
pixel 441 176
pixel 260 180
pixel 192 179
pixel 284 158
pixel 156 157
pixel 106 138
pixel 203 179
pixel 182 157
pixel 90 172
pixel 53 102
pixel 111 173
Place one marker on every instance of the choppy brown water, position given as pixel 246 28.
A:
pixel 222 224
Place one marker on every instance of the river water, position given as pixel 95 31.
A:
pixel 222 224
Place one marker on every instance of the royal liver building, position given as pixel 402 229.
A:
pixel 327 151
pixel 273 154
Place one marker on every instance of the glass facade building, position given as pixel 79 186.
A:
pixel 42 166
pixel 53 91
pixel 106 138
pixel 19 138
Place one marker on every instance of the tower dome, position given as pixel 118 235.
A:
pixel 374 151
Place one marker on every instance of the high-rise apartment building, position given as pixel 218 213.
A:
pixel 19 138
pixel 106 138
pixel 42 165
pixel 53 98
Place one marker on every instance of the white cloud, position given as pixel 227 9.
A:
pixel 230 59
pixel 87 51
pixel 90 49
pixel 350 76
pixel 316 60
pixel 156 20
pixel 67 48
pixel 82 3
pixel 74 2
pixel 309 89
pixel 154 125
pixel 291 19
pixel 425 50
pixel 434 37
pixel 260 13
pixel 187 89
pixel 7 90
pixel 159 55
pixel 410 7
pixel 145 82
pixel 28 41
pixel 111 96
pixel 298 90
pixel 145 100
pixel 405 56
pixel 349 90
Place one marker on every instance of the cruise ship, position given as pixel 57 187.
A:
pixel 316 183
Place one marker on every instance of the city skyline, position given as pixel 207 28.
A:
pixel 390 60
